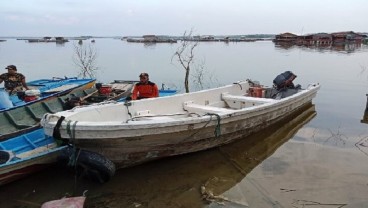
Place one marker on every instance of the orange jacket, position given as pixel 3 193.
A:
pixel 141 90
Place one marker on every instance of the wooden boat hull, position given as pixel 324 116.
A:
pixel 25 118
pixel 28 153
pixel 49 88
pixel 33 150
pixel 15 171
pixel 153 136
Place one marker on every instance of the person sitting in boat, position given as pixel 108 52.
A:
pixel 13 81
pixel 144 88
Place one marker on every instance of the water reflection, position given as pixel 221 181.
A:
pixel 192 180
pixel 346 48
pixel 365 115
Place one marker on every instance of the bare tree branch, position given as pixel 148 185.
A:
pixel 85 59
pixel 185 56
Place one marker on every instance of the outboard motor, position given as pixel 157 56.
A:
pixel 284 80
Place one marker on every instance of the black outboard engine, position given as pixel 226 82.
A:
pixel 284 80
pixel 284 86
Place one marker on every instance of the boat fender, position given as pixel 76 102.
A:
pixel 90 165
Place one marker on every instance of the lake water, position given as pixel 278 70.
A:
pixel 315 160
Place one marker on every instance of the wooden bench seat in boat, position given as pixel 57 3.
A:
pixel 191 107
pixel 89 91
pixel 53 105
pixel 20 118
pixel 6 127
pixel 79 93
pixel 37 110
pixel 146 115
pixel 239 101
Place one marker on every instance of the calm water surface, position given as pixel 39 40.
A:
pixel 317 159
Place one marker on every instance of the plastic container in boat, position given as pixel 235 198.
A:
pixel 32 92
pixel 31 95
pixel 5 100
pixel 257 92
pixel 105 89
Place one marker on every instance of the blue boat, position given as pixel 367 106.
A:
pixel 25 154
pixel 42 89
pixel 20 115
pixel 32 151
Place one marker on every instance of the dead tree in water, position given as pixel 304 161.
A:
pixel 185 55
pixel 85 58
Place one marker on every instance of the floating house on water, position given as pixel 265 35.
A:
pixel 347 37
pixel 287 37
pixel 48 40
pixel 320 39
pixel 152 39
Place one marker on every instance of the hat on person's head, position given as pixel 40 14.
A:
pixel 143 75
pixel 11 67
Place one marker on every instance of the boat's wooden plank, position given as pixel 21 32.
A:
pixel 37 110
pixel 196 108
pixel 79 93
pixel 61 88
pixel 29 141
pixel 37 150
pixel 53 105
pixel 6 126
pixel 228 97
pixel 21 118
pixel 90 90
pixel 239 101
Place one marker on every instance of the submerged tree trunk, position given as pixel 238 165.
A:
pixel 185 56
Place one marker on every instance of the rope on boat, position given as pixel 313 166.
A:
pixel 76 152
pixel 127 104
pixel 56 132
pixel 237 83
pixel 217 131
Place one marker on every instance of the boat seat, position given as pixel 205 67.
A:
pixel 21 118
pixel 37 110
pixel 240 101
pixel 90 91
pixel 79 94
pixel 6 126
pixel 53 105
pixel 191 107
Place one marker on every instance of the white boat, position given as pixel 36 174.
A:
pixel 139 131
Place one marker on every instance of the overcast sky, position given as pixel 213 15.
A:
pixel 173 17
